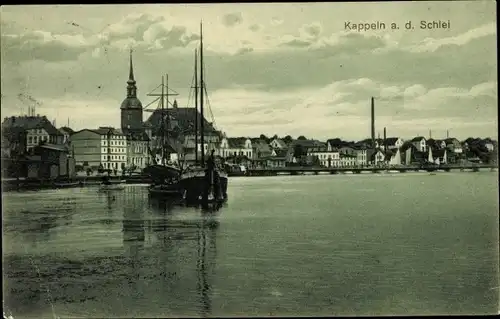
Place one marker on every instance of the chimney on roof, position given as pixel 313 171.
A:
pixel 373 122
pixel 385 138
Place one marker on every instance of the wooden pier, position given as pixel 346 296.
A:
pixel 299 170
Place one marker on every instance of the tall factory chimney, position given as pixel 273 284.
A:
pixel 385 138
pixel 373 123
pixel 447 134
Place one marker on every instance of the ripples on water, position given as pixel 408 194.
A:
pixel 306 245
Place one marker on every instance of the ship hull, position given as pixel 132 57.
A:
pixel 193 186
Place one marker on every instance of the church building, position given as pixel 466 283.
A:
pixel 133 126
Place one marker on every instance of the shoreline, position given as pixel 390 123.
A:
pixel 23 184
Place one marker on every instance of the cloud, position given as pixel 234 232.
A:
pixel 297 43
pixel 334 44
pixel 148 33
pixel 142 32
pixel 74 109
pixel 342 108
pixel 42 45
pixel 255 27
pixel 232 19
pixel 433 44
pixel 313 29
pixel 275 21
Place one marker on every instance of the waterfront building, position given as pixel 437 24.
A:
pixel 454 145
pixel 392 143
pixel 186 148
pixel 361 155
pixel 234 146
pixel 324 156
pixel 104 147
pixel 38 130
pixel 277 158
pixel 377 158
pixel 347 160
pixel 260 149
pixel 435 144
pixel 420 143
pixel 278 143
pixel 347 150
pixel 55 161
pixel 133 128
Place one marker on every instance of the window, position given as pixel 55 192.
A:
pixel 30 139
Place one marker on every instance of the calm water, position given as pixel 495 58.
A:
pixel 304 245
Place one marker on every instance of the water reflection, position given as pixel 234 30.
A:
pixel 190 226
pixel 35 222
pixel 133 236
pixel 206 257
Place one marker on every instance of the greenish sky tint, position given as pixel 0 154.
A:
pixel 271 68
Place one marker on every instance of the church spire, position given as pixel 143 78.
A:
pixel 131 87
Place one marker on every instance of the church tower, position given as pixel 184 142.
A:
pixel 131 108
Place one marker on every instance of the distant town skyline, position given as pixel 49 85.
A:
pixel 286 69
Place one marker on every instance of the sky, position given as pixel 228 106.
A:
pixel 270 68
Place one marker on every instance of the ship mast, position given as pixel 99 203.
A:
pixel 162 140
pixel 167 117
pixel 202 133
pixel 195 107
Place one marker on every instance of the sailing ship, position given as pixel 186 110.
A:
pixel 204 182
pixel 164 175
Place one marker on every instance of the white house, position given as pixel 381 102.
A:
pixel 104 146
pixel 361 156
pixel 420 143
pixel 347 160
pixel 327 158
pixel 276 159
pixel 377 158
pixel 38 129
pixel 393 143
pixel 236 146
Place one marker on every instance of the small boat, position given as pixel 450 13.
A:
pixel 432 173
pixel 66 184
pixel 393 171
pixel 111 187
pixel 165 190
pixel 111 184
pixel 117 181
